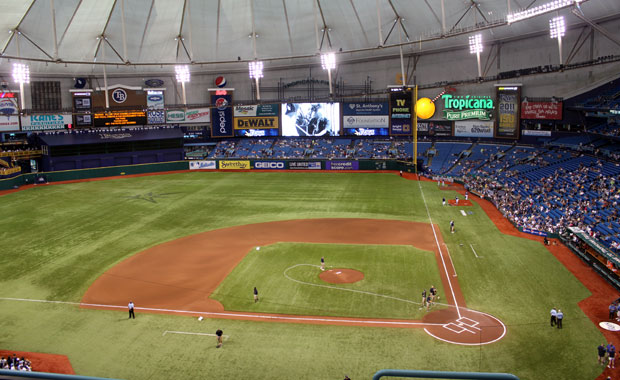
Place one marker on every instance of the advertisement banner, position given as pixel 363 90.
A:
pixel 156 117
pixel 535 132
pixel 462 107
pixel 256 132
pixel 366 121
pixel 365 109
pixel 473 128
pixel 222 116
pixel 43 122
pixel 234 165
pixel 119 118
pixel 192 115
pixel 400 113
pixel 304 165
pixel 257 110
pixel 434 128
pixel 155 99
pixel 272 165
pixel 541 110
pixel 508 102
pixel 9 119
pixel 256 122
pixel 202 165
pixel 367 131
pixel 342 165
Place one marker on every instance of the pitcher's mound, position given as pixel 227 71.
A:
pixel 341 276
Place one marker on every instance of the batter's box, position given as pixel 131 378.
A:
pixel 461 325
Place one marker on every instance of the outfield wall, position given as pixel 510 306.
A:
pixel 226 165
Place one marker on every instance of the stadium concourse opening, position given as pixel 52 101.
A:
pixel 149 277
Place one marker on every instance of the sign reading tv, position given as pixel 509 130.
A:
pixel 366 119
pixel 400 112
pixel 310 119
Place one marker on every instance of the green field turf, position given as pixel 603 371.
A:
pixel 56 240
pixel 396 271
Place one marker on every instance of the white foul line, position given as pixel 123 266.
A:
pixel 450 257
pixel 473 250
pixel 190 333
pixel 456 304
pixel 238 315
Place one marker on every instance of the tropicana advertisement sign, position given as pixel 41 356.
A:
pixel 462 107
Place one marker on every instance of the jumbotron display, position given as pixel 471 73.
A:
pixel 310 119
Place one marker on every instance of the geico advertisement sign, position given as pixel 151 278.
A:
pixel 269 165
pixel 256 122
pixel 235 165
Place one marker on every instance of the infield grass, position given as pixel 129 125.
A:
pixel 56 240
pixel 288 283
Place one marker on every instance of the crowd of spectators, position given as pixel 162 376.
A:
pixel 14 363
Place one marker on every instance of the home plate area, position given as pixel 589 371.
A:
pixel 471 328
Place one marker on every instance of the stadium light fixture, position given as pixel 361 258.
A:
pixel 476 47
pixel 541 9
pixel 256 72
pixel 557 29
pixel 328 61
pixel 21 75
pixel 182 77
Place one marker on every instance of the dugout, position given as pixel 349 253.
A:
pixel 68 150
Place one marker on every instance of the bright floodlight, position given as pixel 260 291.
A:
pixel 21 73
pixel 182 73
pixel 475 44
pixel 557 27
pixel 328 61
pixel 541 9
pixel 256 69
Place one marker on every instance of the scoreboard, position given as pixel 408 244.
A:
pixel 120 118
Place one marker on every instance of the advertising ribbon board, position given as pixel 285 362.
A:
pixel 222 116
pixel 156 117
pixel 435 128
pixel 192 115
pixel 342 165
pixel 473 128
pixel 256 122
pixel 508 102
pixel 202 165
pixel 400 113
pixel 234 165
pixel 257 110
pixel 304 165
pixel 272 165
pixel 43 122
pixel 541 110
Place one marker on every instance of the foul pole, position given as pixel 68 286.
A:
pixel 415 130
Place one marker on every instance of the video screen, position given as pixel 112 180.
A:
pixel 310 119
pixel 255 132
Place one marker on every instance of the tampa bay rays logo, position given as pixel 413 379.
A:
pixel 119 95
pixel 150 196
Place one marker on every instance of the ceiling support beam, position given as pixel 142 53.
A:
pixel 16 28
pixel 107 21
pixel 70 22
pixel 325 28
pixel 217 29
pixel 288 26
pixel 390 32
pixel 35 45
pixel 189 33
pixel 53 14
pixel 146 27
pixel 124 32
pixel 443 17
pixel 433 12
pixel 461 18
pixel 253 29
pixel 400 19
pixel 379 26
pixel 578 44
pixel 359 22
pixel 316 26
pixel 598 28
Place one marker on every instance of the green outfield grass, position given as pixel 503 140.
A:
pixel 396 271
pixel 56 240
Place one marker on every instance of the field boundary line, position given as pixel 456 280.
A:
pixel 456 303
pixel 451 262
pixel 241 315
pixel 474 251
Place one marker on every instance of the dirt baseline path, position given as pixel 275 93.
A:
pixel 178 276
